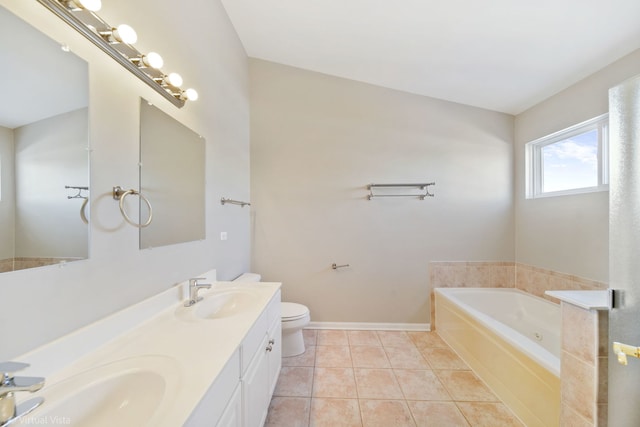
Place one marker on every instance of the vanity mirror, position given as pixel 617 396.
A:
pixel 44 165
pixel 172 177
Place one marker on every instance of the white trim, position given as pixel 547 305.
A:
pixel 365 326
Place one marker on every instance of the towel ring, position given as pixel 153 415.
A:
pixel 83 211
pixel 120 194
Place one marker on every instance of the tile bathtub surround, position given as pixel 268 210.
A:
pixel 534 280
pixel 584 366
pixel 381 378
pixel 460 274
pixel 453 274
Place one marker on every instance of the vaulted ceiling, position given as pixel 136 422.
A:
pixel 502 55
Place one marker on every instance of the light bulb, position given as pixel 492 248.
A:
pixel 125 34
pixel 174 79
pixel 92 5
pixel 152 60
pixel 191 94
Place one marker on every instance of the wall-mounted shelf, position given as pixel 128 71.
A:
pixel 423 187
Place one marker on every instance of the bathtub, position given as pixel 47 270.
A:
pixel 511 339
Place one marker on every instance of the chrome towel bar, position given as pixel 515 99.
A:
pixel 421 186
pixel 234 202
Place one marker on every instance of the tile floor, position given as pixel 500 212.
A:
pixel 382 379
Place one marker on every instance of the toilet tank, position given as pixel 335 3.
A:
pixel 248 277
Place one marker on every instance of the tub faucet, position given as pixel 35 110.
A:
pixel 9 385
pixel 194 287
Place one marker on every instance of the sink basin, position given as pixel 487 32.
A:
pixel 224 304
pixel 130 392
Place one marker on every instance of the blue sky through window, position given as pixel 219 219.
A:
pixel 571 163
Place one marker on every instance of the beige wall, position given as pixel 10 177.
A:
pixel 198 41
pixel 317 141
pixel 567 234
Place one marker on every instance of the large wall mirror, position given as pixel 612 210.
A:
pixel 44 161
pixel 172 178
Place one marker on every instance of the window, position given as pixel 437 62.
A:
pixel 571 161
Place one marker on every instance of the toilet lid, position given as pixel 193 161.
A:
pixel 292 311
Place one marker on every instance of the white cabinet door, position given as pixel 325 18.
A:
pixel 275 354
pixel 256 387
pixel 232 415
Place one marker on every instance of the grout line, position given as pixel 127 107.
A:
pixel 404 399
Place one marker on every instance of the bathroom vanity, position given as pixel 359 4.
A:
pixel 159 363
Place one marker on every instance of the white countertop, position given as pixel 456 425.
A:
pixel 589 300
pixel 148 331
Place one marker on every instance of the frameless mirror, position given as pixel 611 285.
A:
pixel 44 164
pixel 172 178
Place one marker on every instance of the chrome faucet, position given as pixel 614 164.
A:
pixel 9 385
pixel 194 287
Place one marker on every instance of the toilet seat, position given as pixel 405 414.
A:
pixel 292 311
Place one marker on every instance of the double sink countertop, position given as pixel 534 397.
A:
pixel 164 354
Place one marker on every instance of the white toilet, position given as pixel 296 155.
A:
pixel 294 318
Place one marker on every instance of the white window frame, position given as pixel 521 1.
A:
pixel 534 161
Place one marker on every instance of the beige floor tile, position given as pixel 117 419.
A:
pixel 377 384
pixel 399 379
pixel 395 339
pixel 335 412
pixel 308 358
pixel 334 382
pixel 333 356
pixel 466 386
pixel 437 414
pixel 485 414
pixel 332 337
pixel 294 381
pixel 363 338
pixel 385 413
pixel 426 339
pixel 310 337
pixel 443 358
pixel 366 356
pixel 406 358
pixel 420 385
pixel 288 412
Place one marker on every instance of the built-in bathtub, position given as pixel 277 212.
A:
pixel 511 339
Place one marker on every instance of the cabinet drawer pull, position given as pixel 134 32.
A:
pixel 272 341
pixel 270 347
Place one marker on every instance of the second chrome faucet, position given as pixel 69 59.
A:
pixel 194 287
pixel 9 385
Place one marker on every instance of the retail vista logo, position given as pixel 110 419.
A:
pixel 51 420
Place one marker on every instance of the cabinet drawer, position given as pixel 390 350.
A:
pixel 274 309
pixel 213 404
pixel 253 341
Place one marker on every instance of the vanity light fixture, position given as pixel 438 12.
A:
pixel 117 43
pixel 121 34
pixel 91 5
pixel 152 60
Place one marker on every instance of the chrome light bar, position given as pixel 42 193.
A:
pixel 118 44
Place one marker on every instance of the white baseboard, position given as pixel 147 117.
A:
pixel 365 326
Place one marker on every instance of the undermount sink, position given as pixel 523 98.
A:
pixel 129 392
pixel 224 304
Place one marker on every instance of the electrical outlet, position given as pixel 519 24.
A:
pixel 223 235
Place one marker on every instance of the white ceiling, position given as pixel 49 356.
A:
pixel 503 55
